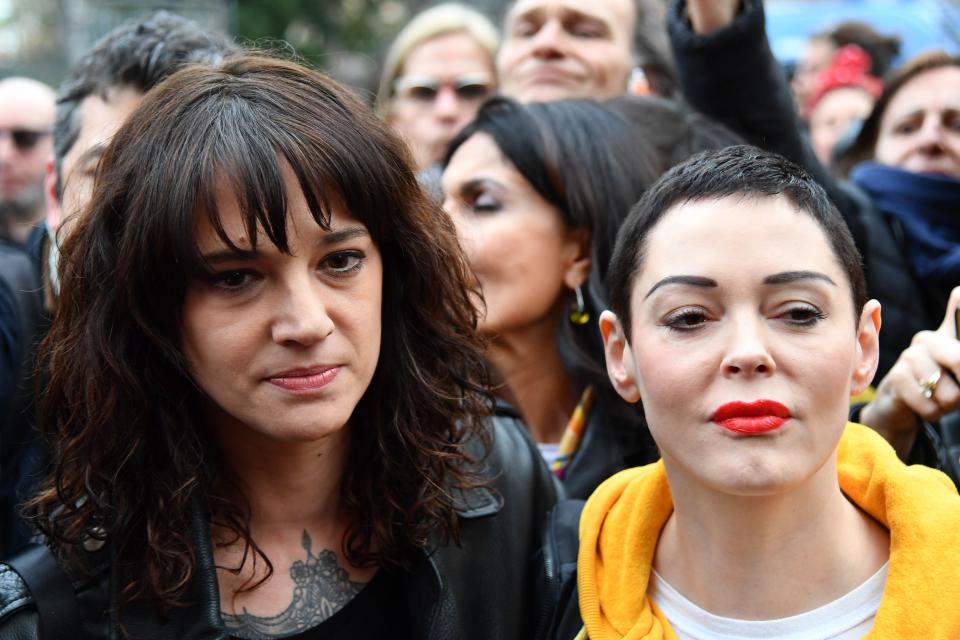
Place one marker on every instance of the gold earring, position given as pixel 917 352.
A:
pixel 579 315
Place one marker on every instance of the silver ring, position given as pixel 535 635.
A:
pixel 928 386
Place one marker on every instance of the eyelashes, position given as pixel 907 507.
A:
pixel 693 318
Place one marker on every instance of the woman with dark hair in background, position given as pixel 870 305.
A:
pixel 537 194
pixel 266 404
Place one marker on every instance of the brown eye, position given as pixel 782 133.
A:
pixel 343 262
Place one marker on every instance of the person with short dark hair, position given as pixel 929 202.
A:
pixel 739 319
pixel 538 192
pixel 266 405
pixel 900 203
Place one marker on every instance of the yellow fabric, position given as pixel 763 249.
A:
pixel 622 520
pixel 867 395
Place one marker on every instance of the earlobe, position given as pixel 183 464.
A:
pixel 868 348
pixel 578 267
pixel 620 366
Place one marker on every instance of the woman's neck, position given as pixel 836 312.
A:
pixel 296 519
pixel 534 380
pixel 768 557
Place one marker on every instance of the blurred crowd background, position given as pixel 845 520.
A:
pixel 348 38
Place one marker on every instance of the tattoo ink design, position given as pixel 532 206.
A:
pixel 322 588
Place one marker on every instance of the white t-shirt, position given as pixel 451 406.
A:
pixel 848 617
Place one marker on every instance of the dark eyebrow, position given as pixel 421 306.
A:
pixel 342 235
pixel 792 276
pixel 328 239
pixel 693 281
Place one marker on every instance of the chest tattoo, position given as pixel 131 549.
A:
pixel 322 588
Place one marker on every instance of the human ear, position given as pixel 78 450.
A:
pixel 578 259
pixel 868 348
pixel 620 365
pixel 51 197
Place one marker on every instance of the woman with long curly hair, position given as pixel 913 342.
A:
pixel 265 402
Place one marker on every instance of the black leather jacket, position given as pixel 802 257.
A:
pixel 483 589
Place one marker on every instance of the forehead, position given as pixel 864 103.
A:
pixel 99 119
pixel 937 89
pixel 299 221
pixel 447 54
pixel 619 13
pixel 480 157
pixel 737 236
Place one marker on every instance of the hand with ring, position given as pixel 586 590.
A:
pixel 918 384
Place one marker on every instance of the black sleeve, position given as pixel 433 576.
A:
pixel 732 76
pixel 9 348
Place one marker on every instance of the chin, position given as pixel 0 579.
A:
pixel 549 93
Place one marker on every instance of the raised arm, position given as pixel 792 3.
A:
pixel 727 71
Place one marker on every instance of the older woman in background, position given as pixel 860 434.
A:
pixel 437 73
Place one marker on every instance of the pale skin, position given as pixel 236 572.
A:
pixel 760 528
pixel 900 401
pixel 525 284
pixel 262 321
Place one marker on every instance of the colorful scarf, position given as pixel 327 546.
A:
pixel 570 441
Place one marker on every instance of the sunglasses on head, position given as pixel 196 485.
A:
pixel 470 87
pixel 24 139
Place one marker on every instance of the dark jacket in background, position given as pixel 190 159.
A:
pixel 23 323
pixel 480 590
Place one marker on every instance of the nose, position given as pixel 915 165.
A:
pixel 447 105
pixel 549 41
pixel 747 353
pixel 302 315
pixel 931 135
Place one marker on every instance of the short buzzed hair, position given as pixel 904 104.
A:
pixel 739 170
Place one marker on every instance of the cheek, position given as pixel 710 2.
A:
pixel 665 391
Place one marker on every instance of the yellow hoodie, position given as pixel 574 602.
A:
pixel 622 520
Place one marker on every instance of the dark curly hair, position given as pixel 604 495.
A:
pixel 131 454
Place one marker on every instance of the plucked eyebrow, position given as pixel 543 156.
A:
pixel 479 184
pixel 329 239
pixel 788 277
pixel 785 277
pixel 693 281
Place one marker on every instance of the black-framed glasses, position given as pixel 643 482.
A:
pixel 470 87
pixel 25 139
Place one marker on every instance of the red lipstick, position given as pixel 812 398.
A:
pixel 751 418
pixel 304 380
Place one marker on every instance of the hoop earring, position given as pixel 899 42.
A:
pixel 579 315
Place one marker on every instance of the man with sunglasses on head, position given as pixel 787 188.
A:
pixel 98 93
pixel 26 122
